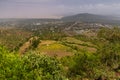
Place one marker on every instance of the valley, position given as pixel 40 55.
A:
pixel 60 49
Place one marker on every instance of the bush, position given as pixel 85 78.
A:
pixel 42 67
pixel 31 66
pixel 84 66
pixel 110 34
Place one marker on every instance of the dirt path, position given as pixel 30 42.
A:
pixel 26 45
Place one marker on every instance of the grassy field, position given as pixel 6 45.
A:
pixel 79 44
pixel 58 48
pixel 53 48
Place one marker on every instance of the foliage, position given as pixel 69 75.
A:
pixel 31 66
pixel 50 34
pixel 104 63
pixel 110 54
pixel 13 38
pixel 35 42
pixel 84 66
pixel 110 34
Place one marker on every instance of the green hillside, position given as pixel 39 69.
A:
pixel 74 57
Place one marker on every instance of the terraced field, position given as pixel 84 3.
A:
pixel 66 47
pixel 54 48
pixel 79 45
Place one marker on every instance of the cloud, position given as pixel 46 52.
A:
pixel 53 8
pixel 102 8
pixel 109 9
pixel 29 1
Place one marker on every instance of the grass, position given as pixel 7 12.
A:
pixel 66 47
pixel 52 48
pixel 79 45
pixel 13 37
pixel 72 40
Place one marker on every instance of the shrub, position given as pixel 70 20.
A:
pixel 31 66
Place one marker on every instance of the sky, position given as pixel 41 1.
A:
pixel 56 8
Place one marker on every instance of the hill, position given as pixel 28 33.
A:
pixel 86 17
pixel 83 17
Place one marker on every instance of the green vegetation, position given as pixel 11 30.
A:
pixel 13 38
pixel 55 55
pixel 54 48
pixel 31 66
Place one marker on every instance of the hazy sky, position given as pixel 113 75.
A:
pixel 56 8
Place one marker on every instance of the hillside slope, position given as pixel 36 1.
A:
pixel 86 17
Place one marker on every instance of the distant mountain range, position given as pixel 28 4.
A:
pixel 86 17
pixel 83 17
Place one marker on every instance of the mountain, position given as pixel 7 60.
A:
pixel 86 17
